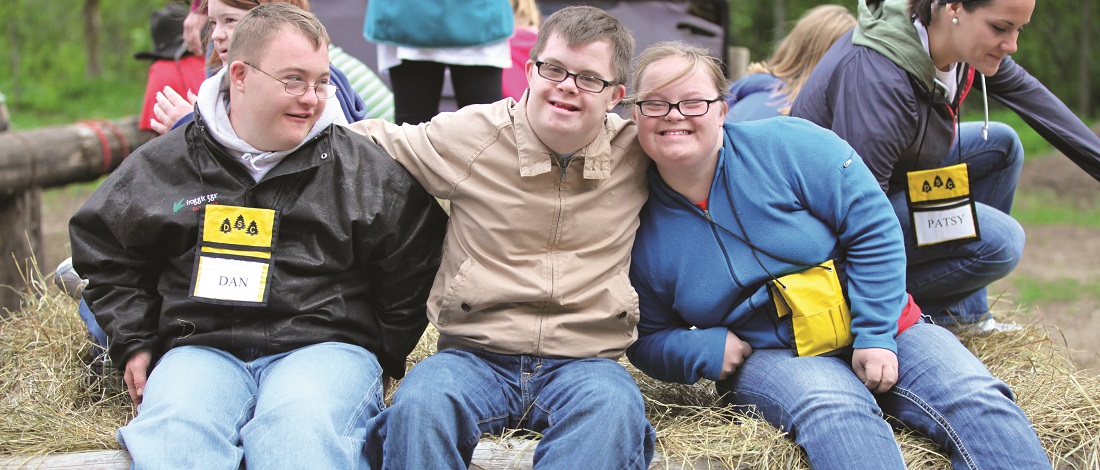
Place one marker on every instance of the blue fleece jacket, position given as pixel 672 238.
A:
pixel 755 97
pixel 803 195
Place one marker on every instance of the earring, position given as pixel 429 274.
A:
pixel 954 21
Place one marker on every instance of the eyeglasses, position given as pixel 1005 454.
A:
pixel 661 108
pixel 324 91
pixel 557 74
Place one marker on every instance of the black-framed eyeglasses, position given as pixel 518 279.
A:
pixel 324 91
pixel 555 73
pixel 661 108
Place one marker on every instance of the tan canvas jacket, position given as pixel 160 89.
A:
pixel 536 257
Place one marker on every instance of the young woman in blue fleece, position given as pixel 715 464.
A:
pixel 733 207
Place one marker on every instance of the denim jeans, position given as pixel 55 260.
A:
pixel 97 334
pixel 205 408
pixel 949 280
pixel 589 411
pixel 943 392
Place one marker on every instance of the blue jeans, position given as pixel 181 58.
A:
pixel 205 408
pixel 943 392
pixel 97 334
pixel 589 411
pixel 949 280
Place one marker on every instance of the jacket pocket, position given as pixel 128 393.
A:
pixel 457 304
pixel 628 309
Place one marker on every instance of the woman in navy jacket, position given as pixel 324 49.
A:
pixel 892 89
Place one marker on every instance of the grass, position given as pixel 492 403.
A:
pixel 1046 208
pixel 106 98
pixel 1034 290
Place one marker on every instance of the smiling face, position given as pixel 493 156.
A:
pixel 223 18
pixel 983 37
pixel 261 111
pixel 676 142
pixel 564 117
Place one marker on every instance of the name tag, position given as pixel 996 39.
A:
pixel 230 279
pixel 941 207
pixel 233 263
pixel 952 222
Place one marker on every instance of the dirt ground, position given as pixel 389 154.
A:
pixel 1062 253
pixel 1052 253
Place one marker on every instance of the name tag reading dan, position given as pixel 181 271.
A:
pixel 230 279
pixel 233 263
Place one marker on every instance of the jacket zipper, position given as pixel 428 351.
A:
pixel 557 235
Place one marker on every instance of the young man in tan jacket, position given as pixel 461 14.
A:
pixel 532 299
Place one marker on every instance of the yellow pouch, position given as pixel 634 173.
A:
pixel 820 316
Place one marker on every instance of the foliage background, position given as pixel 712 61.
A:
pixel 44 67
pixel 1058 47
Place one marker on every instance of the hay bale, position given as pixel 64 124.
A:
pixel 50 406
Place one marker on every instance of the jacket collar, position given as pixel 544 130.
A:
pixel 315 151
pixel 535 158
pixel 885 26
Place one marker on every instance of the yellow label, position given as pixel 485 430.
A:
pixel 939 183
pixel 241 226
pixel 227 251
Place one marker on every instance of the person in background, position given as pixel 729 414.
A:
pixel 893 88
pixel 416 72
pixel 260 274
pixel 193 26
pixel 173 66
pixel 527 18
pixel 769 87
pixel 174 110
pixel 736 214
pixel 532 301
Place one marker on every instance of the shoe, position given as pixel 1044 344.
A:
pixel 984 327
pixel 66 279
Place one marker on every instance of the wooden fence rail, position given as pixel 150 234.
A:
pixel 48 157
pixel 490 454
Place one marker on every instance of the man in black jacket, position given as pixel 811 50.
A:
pixel 273 266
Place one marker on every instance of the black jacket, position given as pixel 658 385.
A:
pixel 358 244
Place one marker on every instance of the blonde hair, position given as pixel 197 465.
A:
pixel 798 53
pixel 526 13
pixel 695 57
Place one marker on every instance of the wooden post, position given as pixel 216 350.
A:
pixel 46 157
pixel 738 62
pixel 15 209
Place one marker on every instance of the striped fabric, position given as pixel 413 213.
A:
pixel 370 88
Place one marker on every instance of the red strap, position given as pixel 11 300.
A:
pixel 909 315
pixel 104 143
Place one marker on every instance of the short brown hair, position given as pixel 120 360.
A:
pixel 579 25
pixel 260 26
pixel 695 57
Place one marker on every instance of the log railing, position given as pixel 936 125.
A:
pixel 42 158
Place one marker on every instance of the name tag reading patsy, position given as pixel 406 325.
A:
pixel 941 207
pixel 233 263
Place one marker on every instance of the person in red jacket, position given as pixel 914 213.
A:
pixel 173 64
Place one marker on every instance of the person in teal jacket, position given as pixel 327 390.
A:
pixel 733 207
